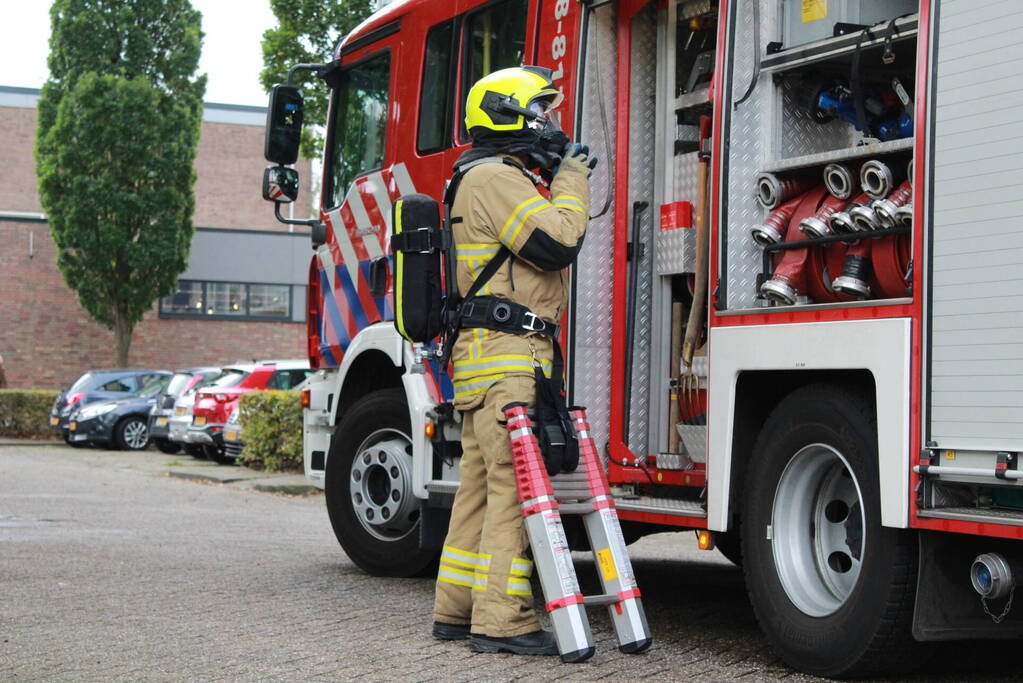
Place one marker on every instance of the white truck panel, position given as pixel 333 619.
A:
pixel 880 346
pixel 976 250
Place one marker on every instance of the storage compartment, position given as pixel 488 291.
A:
pixel 798 103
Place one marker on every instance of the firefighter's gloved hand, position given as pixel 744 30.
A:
pixel 577 159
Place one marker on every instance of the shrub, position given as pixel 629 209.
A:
pixel 272 430
pixel 25 413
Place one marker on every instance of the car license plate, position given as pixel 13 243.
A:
pixel 231 435
pixel 200 419
pixel 72 426
pixel 161 421
pixel 54 421
pixel 180 410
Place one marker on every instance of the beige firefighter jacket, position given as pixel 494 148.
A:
pixel 496 204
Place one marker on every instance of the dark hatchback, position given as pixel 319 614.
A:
pixel 98 385
pixel 122 423
pixel 159 417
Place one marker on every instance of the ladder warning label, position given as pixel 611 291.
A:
pixel 617 548
pixel 814 10
pixel 562 555
pixel 607 564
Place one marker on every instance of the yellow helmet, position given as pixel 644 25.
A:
pixel 511 99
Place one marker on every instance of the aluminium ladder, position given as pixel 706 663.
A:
pixel 584 492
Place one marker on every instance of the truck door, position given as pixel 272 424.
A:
pixel 974 364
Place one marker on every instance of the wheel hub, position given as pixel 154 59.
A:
pixel 136 434
pixel 380 485
pixel 817 530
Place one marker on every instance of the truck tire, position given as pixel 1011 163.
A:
pixel 131 434
pixel 368 487
pixel 832 589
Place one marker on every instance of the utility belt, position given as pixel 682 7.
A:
pixel 501 315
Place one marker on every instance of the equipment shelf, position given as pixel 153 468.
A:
pixel 838 47
pixel 822 158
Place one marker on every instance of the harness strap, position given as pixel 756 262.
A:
pixel 501 315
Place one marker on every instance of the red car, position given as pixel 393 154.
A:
pixel 214 403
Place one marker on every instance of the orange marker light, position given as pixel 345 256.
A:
pixel 430 429
pixel 705 539
pixel 306 398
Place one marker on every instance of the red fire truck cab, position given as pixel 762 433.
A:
pixel 795 326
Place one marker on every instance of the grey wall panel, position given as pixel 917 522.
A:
pixel 976 250
pixel 243 256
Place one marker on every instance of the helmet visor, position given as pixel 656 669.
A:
pixel 546 113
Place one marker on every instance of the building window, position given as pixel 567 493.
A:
pixel 227 300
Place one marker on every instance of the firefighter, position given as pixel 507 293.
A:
pixel 483 583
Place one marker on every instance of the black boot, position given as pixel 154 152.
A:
pixel 535 643
pixel 442 631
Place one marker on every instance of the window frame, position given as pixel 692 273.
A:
pixel 328 156
pixel 464 62
pixel 456 23
pixel 247 316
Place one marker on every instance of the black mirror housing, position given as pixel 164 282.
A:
pixel 280 184
pixel 284 125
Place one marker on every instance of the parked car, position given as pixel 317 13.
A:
pixel 196 442
pixel 97 385
pixel 179 422
pixel 122 422
pixel 163 410
pixel 213 404
pixel 233 435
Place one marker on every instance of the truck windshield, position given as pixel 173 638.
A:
pixel 359 128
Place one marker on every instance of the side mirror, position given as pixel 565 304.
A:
pixel 280 184
pixel 283 125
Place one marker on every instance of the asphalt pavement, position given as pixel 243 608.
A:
pixel 111 569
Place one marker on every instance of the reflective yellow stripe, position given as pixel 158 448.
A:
pixel 518 586
pixel 476 581
pixel 477 386
pixel 468 251
pixel 399 259
pixel 511 362
pixel 521 567
pixel 567 201
pixel 465 557
pixel 518 217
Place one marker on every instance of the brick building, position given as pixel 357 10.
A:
pixel 242 296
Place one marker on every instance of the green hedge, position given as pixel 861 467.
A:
pixel 25 413
pixel 272 430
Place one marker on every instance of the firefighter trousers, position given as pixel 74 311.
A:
pixel 484 572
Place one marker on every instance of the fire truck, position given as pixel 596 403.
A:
pixel 796 320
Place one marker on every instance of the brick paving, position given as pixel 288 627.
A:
pixel 111 570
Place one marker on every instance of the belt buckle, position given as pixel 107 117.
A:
pixel 533 319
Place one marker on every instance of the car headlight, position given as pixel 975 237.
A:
pixel 89 412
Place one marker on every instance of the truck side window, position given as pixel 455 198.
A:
pixel 496 39
pixel 436 99
pixel 359 126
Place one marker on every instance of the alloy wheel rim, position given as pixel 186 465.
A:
pixel 380 485
pixel 818 530
pixel 136 434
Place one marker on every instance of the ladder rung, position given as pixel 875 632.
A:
pixel 602 599
pixel 575 508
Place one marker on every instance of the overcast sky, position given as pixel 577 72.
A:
pixel 231 53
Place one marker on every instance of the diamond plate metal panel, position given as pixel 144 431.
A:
pixel 688 10
pixel 676 251
pixel 802 134
pixel 642 135
pixel 749 135
pixel 591 357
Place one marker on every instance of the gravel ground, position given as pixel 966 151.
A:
pixel 111 570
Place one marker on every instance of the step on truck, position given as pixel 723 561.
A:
pixel 795 322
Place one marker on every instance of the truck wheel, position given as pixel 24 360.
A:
pixel 832 589
pixel 368 487
pixel 131 434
